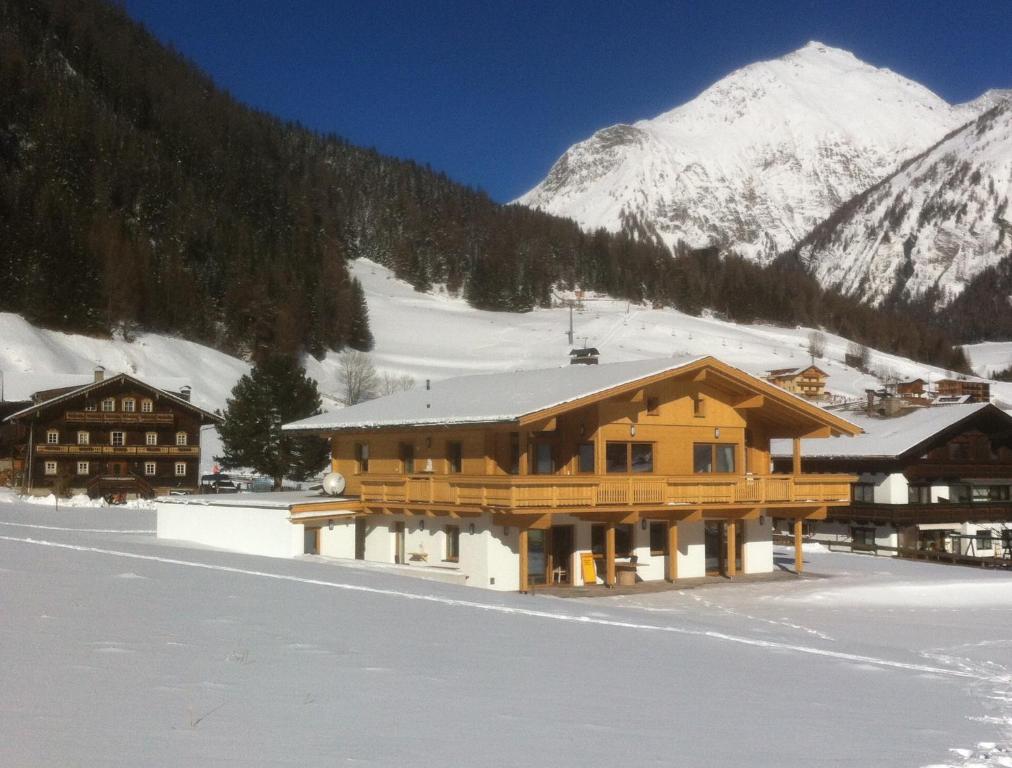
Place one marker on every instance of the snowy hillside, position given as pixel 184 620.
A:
pixel 938 222
pixel 756 160
pixel 435 336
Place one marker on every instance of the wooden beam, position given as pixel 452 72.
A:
pixel 756 401
pixel 609 554
pixel 522 547
pixel 796 467
pixel 799 559
pixel 819 432
pixel 700 376
pixel 672 550
pixel 732 531
pixel 628 517
pixel 819 513
pixel 750 514
pixel 549 425
pixel 525 441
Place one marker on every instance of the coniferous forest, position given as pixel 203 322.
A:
pixel 134 194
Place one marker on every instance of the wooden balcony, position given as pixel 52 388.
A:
pixel 937 513
pixel 119 450
pixel 589 492
pixel 118 417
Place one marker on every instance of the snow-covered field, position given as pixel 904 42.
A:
pixel 435 336
pixel 122 650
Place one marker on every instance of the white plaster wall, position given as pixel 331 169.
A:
pixel 893 489
pixel 757 549
pixel 583 546
pixel 650 568
pixel 251 530
pixel 379 539
pixel 940 492
pixel 503 557
pixel 339 542
pixel 691 550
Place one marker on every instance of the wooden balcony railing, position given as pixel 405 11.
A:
pixel 138 450
pixel 575 491
pixel 106 417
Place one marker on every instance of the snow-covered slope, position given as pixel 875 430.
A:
pixel 756 160
pixel 435 336
pixel 937 222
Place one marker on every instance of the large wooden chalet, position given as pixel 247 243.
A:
pixel 115 436
pixel 937 478
pixel 646 470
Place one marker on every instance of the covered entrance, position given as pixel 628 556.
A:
pixel 723 541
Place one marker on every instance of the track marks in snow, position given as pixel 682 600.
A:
pixel 79 530
pixel 971 674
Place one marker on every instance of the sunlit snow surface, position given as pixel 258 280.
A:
pixel 122 650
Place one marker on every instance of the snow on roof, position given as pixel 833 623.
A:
pixel 489 398
pixel 777 373
pixel 883 437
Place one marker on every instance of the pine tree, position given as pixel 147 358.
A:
pixel 276 391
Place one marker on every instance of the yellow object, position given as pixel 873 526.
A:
pixel 589 568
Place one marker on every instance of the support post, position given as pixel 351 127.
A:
pixel 732 531
pixel 672 550
pixel 799 560
pixel 525 445
pixel 797 456
pixel 522 546
pixel 609 554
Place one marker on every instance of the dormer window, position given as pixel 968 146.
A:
pixel 147 406
pixel 129 405
pixel 53 437
pixel 109 405
pixel 180 438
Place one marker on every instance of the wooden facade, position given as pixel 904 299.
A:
pixel 116 436
pixel 685 446
pixel 978 390
pixel 809 381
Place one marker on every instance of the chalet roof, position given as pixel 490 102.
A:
pixel 890 437
pixel 508 397
pixel 782 372
pixel 95 386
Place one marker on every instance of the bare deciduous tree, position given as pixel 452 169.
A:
pixel 358 378
pixel 390 383
pixel 816 344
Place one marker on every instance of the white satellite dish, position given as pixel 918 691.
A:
pixel 333 484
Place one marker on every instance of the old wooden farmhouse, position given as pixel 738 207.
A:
pixel 808 381
pixel 937 478
pixel 115 436
pixel 634 471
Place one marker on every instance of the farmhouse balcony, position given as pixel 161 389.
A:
pixel 118 417
pixel 589 492
pixel 923 513
pixel 133 450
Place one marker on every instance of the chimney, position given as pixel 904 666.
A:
pixel 184 392
pixel 870 406
pixel 99 373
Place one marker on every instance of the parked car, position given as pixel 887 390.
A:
pixel 218 484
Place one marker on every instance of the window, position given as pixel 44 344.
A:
pixel 863 536
pixel 454 457
pixel 959 493
pixel 149 468
pixel 50 467
pixel 713 457
pixel 616 457
pixel 984 540
pixel 919 494
pixel 642 455
pixel 629 457
pixel 180 438
pixel 453 543
pixel 52 437
pixel 514 453
pixel 653 404
pixel 407 458
pixel 985 493
pixel 543 461
pixel 109 405
pixel 362 456
pixel 658 538
pixel 180 469
pixel 150 438
pixel 864 492
pixel 117 438
pixel 83 438
pixel 587 457
pixel 129 405
pixel 89 406
pixel 623 540
pixel 82 467
pixel 147 406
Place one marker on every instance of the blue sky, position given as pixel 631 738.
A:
pixel 493 92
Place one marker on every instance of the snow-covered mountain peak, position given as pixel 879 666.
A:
pixel 757 159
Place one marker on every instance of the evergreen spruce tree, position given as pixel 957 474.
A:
pixel 276 391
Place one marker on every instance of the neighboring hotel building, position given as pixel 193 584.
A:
pixel 936 478
pixel 116 435
pixel 808 381
pixel 646 470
